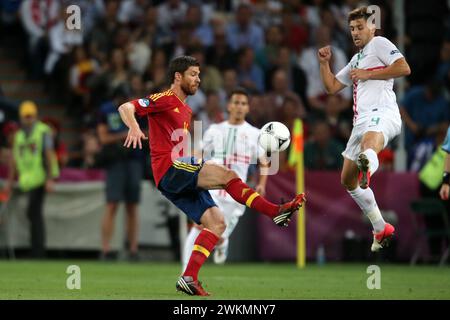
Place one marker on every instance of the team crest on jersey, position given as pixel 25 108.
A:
pixel 144 102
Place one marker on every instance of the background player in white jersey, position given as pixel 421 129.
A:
pixel 376 115
pixel 234 144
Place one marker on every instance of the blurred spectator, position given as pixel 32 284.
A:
pixel 425 112
pixel 82 69
pixel 250 75
pixel 289 111
pixel 267 13
pixel 430 178
pixel 230 81
pixel 8 114
pixel 220 53
pixel 275 98
pixel 139 52
pixel 313 14
pixel 8 131
pixel 124 173
pixel 201 31
pixel 258 114
pixel 212 113
pixel 155 75
pixel 60 147
pixel 211 78
pixel 102 36
pixel 295 35
pixel 38 17
pixel 243 31
pixel 267 56
pixel 136 87
pixel 92 11
pixel 340 122
pixel 339 38
pixel 113 75
pixel 184 40
pixel 443 72
pixel 90 150
pixel 171 14
pixel 386 159
pixel 295 75
pixel 61 41
pixel 309 63
pixel 323 152
pixel 35 164
pixel 132 11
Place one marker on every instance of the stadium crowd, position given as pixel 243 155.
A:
pixel 269 47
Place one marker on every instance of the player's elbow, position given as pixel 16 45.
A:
pixel 331 90
pixel 127 106
pixel 407 70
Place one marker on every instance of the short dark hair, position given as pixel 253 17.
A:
pixel 181 64
pixel 359 13
pixel 238 90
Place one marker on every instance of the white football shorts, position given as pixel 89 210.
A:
pixel 387 123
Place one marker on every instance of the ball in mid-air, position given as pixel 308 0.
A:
pixel 274 137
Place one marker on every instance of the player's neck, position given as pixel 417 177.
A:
pixel 370 39
pixel 179 93
pixel 235 122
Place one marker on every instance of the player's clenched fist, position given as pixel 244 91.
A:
pixel 324 54
pixel 134 138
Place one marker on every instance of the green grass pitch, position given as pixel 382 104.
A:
pixel 47 280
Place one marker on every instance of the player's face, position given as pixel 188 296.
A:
pixel 361 32
pixel 190 80
pixel 238 107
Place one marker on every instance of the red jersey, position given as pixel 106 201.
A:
pixel 168 124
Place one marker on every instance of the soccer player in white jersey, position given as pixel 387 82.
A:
pixel 233 143
pixel 376 115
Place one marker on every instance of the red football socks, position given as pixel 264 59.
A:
pixel 243 194
pixel 203 245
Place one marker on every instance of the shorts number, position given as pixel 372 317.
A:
pixel 374 121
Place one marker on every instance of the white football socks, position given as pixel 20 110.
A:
pixel 366 201
pixel 373 160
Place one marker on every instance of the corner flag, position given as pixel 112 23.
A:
pixel 296 159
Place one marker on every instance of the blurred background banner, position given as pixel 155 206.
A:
pixel 333 220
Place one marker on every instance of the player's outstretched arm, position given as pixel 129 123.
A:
pixel 399 68
pixel 331 84
pixel 135 134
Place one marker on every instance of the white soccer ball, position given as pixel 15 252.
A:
pixel 274 137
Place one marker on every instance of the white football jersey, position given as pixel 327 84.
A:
pixel 372 95
pixel 234 146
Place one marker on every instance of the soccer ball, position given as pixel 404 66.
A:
pixel 274 137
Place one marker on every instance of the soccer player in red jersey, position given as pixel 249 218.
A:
pixel 185 180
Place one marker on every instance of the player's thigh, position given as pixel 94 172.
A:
pixel 214 176
pixel 379 130
pixel 373 140
pixel 349 174
pixel 213 220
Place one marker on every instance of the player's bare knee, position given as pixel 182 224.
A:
pixel 220 225
pixel 230 175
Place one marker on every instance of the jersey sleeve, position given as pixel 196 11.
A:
pixel 386 51
pixel 343 75
pixel 446 144
pixel 148 105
